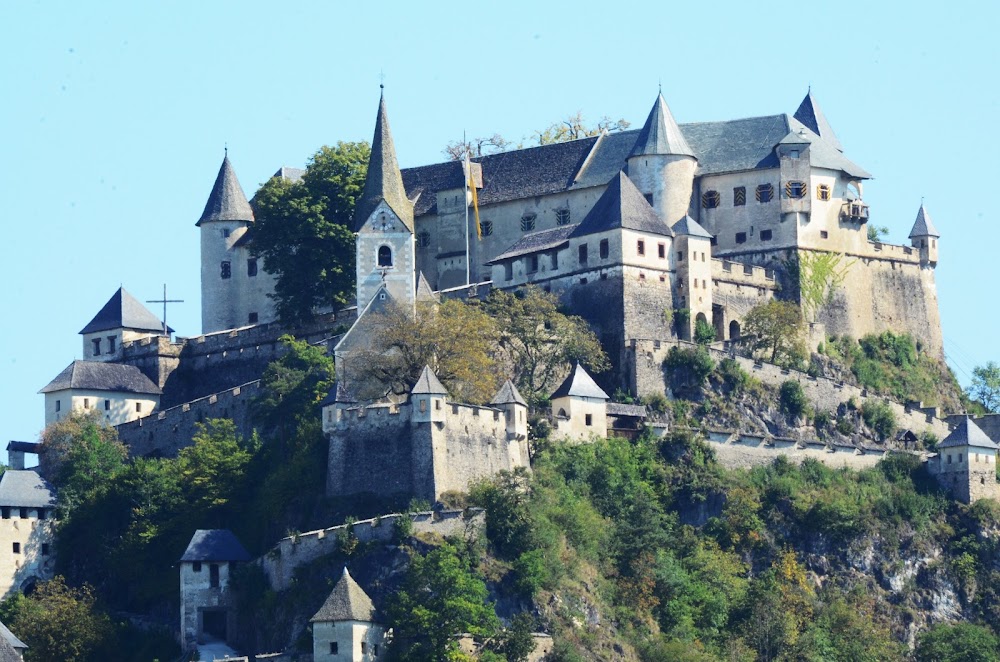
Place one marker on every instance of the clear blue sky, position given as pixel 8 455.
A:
pixel 114 116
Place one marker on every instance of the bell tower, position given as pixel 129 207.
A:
pixel 383 223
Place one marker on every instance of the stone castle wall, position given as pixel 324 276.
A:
pixel 288 554
pixel 825 394
pixel 736 450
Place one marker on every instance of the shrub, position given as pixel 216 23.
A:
pixel 734 377
pixel 880 418
pixel 844 425
pixel 688 368
pixel 656 403
pixel 704 333
pixel 792 399
pixel 822 420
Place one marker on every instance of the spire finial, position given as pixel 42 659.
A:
pixel 225 148
pixel 659 85
pixel 381 81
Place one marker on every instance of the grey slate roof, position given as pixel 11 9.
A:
pixel 660 134
pixel 428 384
pixel 293 175
pixel 100 376
pixel 25 489
pixel 383 180
pixel 507 394
pixel 810 114
pixel 622 409
pixel 579 384
pixel 9 637
pixel 534 242
pixel 690 227
pixel 967 433
pixel 338 393
pixel 215 545
pixel 424 290
pixel 923 227
pixel 346 602
pixel 7 651
pixel 226 202
pixel 622 206
pixel 124 311
pixel 23 446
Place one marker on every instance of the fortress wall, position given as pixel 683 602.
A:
pixel 280 563
pixel 164 433
pixel 825 394
pixel 373 450
pixel 472 444
pixel 745 451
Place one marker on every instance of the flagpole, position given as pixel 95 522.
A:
pixel 468 179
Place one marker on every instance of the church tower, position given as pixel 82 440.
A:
pixel 223 224
pixel 383 222
pixel 662 164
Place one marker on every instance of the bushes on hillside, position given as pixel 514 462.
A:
pixel 688 368
pixel 880 417
pixel 792 399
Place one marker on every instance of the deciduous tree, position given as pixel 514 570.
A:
pixel 985 387
pixel 774 329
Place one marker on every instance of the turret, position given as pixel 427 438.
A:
pixel 345 627
pixel 693 262
pixel 225 221
pixel 662 164
pixel 515 410
pixel 333 406
pixel 924 236
pixel 580 407
pixel 966 463
pixel 428 397
pixel 383 221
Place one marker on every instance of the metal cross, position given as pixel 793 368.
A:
pixel 165 301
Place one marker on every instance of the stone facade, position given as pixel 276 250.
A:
pixel 966 463
pixel 27 531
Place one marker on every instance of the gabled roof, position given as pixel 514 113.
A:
pixel 967 433
pixel 625 410
pixel 293 175
pixel 622 206
pixel 424 290
pixel 24 488
pixel 100 376
pixel 810 114
pixel 338 393
pixel 660 134
pixel 535 242
pixel 579 384
pixel 16 643
pixel 428 384
pixel 123 311
pixel 215 545
pixel 923 227
pixel 795 138
pixel 690 227
pixel 507 394
pixel 346 602
pixel 383 180
pixel 23 446
pixel 226 202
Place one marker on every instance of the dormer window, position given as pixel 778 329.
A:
pixel 384 256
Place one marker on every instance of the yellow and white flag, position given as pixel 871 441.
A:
pixel 470 183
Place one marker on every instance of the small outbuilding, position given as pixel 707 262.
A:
pixel 205 571
pixel 345 627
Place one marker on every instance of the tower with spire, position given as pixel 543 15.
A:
pixel 924 237
pixel 383 223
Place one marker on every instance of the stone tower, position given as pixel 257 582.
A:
pixel 344 628
pixel 662 164
pixel 924 236
pixel 383 221
pixel 225 221
pixel 693 261
pixel 966 463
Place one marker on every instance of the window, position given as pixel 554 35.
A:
pixel 765 235
pixel 196 566
pixel 5 513
pixel 487 227
pixel 642 276
pixel 589 419
pixel 680 256
pixel 532 264
pixel 739 196
pixel 111 344
pixel 640 247
pixel 661 251
pixel 562 217
pixel 364 648
pixel 86 403
pixel 961 458
pixel 333 648
pixel 823 192
pixel 554 260
pixel 138 407
pixel 423 239
pixel 949 458
pixel 710 199
pixel 741 237
pixel 527 223
pixel 225 234
pixel 17 548
pixel 582 254
pixel 227 270
pixel 252 318
pixel 375 650
pixel 97 346
pixel 605 249
pixel 252 267
pixel 823 234
pixel 793 153
pixel 213 575
pixel 795 189
pixel 107 405
pixel 508 271
pixel 45 549
pixel 384 256
pixel 765 193
pixel 42 514
pixel 58 405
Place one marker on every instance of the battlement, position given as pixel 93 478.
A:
pixel 741 273
pixel 288 554
pixel 897 252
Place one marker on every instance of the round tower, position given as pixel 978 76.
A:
pixel 225 221
pixel 662 164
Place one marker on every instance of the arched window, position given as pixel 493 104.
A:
pixel 384 256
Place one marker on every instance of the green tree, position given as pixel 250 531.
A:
pixel 538 342
pixel 302 231
pixel 212 468
pixel 877 232
pixel 820 275
pixel 792 399
pixel 439 598
pixel 704 333
pixel 292 387
pixel 774 329
pixel 957 642
pixel 985 387
pixel 79 454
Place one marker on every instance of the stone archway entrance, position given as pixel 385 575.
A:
pixel 734 330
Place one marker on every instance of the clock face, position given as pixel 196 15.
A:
pixel 383 222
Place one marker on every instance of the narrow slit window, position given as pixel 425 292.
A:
pixel 252 267
pixel 605 249
pixel 582 254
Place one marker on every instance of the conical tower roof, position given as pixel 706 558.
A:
pixel 338 394
pixel 507 394
pixel 621 206
pixel 809 113
pixel 227 201
pixel 123 311
pixel 923 226
pixel 579 384
pixel 428 384
pixel 347 602
pixel 383 181
pixel 660 134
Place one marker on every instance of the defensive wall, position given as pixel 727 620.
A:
pixel 288 554
pixel 739 450
pixel 826 394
